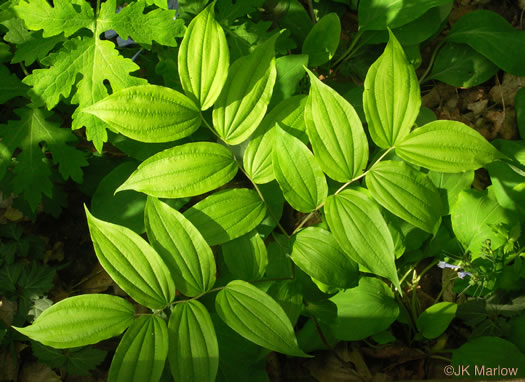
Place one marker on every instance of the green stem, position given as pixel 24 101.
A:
pixel 311 10
pixel 98 8
pixel 346 54
pixel 251 180
pixel 431 62
pixel 303 222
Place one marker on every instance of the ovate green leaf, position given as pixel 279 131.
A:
pixel 391 98
pixel 461 66
pixel 194 351
pixel 475 217
pixel 318 254
pixel 435 320
pixel 258 154
pixel 148 113
pixel 492 36
pixel 361 231
pixel 245 96
pixel 257 317
pixel 365 310
pixel 132 263
pixel 81 320
pixel 322 40
pixel 246 257
pixel 227 215
pixel 447 146
pixel 297 172
pixel 406 193
pixel 380 14
pixel 142 352
pixel 204 58
pixel 187 170
pixel 336 133
pixel 182 247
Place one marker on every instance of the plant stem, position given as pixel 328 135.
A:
pixel 349 50
pixel 303 222
pixel 98 8
pixel 431 62
pixel 311 10
pixel 249 178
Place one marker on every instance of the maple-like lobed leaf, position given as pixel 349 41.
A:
pixel 64 17
pixel 32 172
pixel 144 28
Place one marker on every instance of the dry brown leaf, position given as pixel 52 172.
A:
pixel 37 372
pixel 9 366
pixel 506 91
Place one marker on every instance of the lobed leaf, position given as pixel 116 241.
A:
pixel 245 96
pixel 406 193
pixel 447 146
pixel 186 170
pixel 227 215
pixel 142 352
pixel 299 175
pixel 148 113
pixel 194 350
pixel 132 263
pixel 81 320
pixel 336 133
pixel 391 98
pixel 257 317
pixel 361 231
pixel 204 58
pixel 181 246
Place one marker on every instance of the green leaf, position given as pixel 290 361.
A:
pixel 492 36
pixel 451 185
pixel 318 254
pixel 10 85
pixel 194 351
pixel 461 66
pixel 227 215
pixel 407 193
pixel 65 17
pixel 391 99
pixel 186 170
pixel 257 317
pixel 258 154
pixel 323 39
pixel 435 320
pixel 32 171
pixel 290 71
pixel 245 96
pixel 474 219
pixel 490 357
pixel 519 102
pixel 380 14
pixel 246 256
pixel 361 231
pixel 76 361
pixel 365 310
pixel 148 113
pixel 127 207
pixel 336 133
pixel 131 22
pixel 81 320
pixel 204 58
pixel 297 172
pixel 142 352
pixel 447 146
pixel 83 56
pixel 132 263
pixel 182 247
